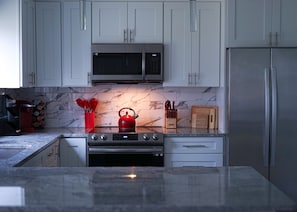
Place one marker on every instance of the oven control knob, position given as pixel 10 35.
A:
pixel 146 137
pixel 103 137
pixel 155 137
pixel 94 137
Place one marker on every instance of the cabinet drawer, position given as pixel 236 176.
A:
pixel 189 145
pixel 181 160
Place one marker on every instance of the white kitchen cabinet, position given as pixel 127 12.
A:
pixel 262 23
pixel 76 44
pixel 73 152
pixel 118 22
pixel 33 162
pixel 63 47
pixel 46 158
pixel 193 151
pixel 16 43
pixel 48 44
pixel 28 43
pixel 192 58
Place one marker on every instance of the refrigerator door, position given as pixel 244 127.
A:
pixel 284 153
pixel 246 75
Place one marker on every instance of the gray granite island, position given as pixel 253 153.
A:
pixel 140 189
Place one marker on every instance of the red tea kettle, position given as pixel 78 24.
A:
pixel 127 122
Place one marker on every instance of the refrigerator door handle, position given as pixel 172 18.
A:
pixel 274 106
pixel 267 117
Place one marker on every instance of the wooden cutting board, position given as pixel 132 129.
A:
pixel 204 117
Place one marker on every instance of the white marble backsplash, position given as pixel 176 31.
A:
pixel 147 100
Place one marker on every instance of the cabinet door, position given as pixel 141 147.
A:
pixel 73 152
pixel 109 22
pixel 28 43
pixel 76 45
pixel 177 43
pixel 50 155
pixel 284 28
pixel 46 158
pixel 10 36
pixel 192 58
pixel 249 23
pixel 48 44
pixel 206 45
pixel 145 22
pixel 36 161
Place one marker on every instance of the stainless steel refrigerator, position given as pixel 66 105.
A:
pixel 262 113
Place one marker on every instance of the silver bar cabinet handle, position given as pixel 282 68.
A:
pixel 125 35
pixel 89 78
pixel 274 114
pixel 132 35
pixel 276 38
pixel 83 18
pixel 190 76
pixel 270 38
pixel 267 117
pixel 32 78
pixel 143 66
pixel 195 146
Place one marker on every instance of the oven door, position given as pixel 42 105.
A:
pixel 126 156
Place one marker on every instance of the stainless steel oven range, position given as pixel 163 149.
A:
pixel 126 149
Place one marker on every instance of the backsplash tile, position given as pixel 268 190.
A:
pixel 147 100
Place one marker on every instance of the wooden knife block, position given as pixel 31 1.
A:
pixel 171 119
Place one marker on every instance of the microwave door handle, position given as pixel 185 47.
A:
pixel 143 66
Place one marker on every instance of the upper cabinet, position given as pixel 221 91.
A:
pixel 16 43
pixel 127 22
pixel 76 44
pixel 28 43
pixel 48 44
pixel 63 44
pixel 192 58
pixel 262 23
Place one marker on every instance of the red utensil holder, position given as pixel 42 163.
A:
pixel 90 121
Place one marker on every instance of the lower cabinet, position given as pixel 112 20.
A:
pixel 193 151
pixel 46 158
pixel 73 152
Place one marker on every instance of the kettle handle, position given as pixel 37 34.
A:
pixel 128 108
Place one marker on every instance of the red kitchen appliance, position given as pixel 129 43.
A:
pixel 25 114
pixel 127 122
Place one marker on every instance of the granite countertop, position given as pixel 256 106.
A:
pixel 32 143
pixel 139 189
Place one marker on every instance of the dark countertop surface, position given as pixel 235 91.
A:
pixel 139 189
pixel 32 143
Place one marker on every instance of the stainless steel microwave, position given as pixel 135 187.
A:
pixel 127 63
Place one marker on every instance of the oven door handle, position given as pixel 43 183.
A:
pixel 104 150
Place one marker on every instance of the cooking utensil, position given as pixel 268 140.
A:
pixel 80 103
pixel 87 105
pixel 93 104
pixel 167 105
